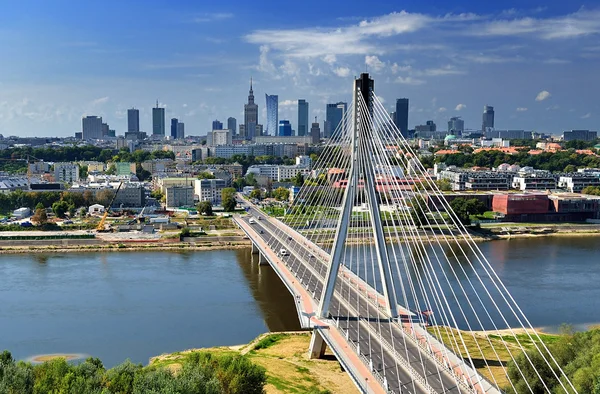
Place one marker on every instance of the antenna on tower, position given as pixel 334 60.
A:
pixel 156 103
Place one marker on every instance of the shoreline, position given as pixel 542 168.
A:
pixel 115 248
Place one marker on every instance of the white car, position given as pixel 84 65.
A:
pixel 283 252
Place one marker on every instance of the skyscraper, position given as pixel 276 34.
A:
pixel 91 128
pixel 302 118
pixel 216 125
pixel 158 121
pixel 105 129
pixel 133 120
pixel 272 114
pixel 250 115
pixel 402 116
pixel 180 130
pixel 285 128
pixel 315 132
pixel 488 118
pixel 232 125
pixel 333 116
pixel 456 126
pixel 174 123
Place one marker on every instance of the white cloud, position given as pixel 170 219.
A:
pixel 329 59
pixel 446 70
pixel 580 23
pixel 442 109
pixel 487 58
pixel 374 63
pixel 521 109
pixel 586 116
pixel 100 101
pixel 341 71
pixel 396 68
pixel 460 107
pixel 409 81
pixel 556 61
pixel 210 17
pixel 288 103
pixel 264 64
pixel 553 107
pixel 543 95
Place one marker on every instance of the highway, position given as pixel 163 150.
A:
pixel 381 342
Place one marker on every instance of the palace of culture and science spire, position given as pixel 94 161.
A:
pixel 251 127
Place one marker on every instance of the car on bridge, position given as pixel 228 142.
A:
pixel 283 252
pixel 252 221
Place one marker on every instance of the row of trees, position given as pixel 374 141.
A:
pixel 202 373
pixel 59 201
pixel 462 207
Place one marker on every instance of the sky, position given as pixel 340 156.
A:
pixel 537 63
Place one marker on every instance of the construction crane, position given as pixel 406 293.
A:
pixel 107 209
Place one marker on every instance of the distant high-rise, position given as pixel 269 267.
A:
pixel 333 116
pixel 250 115
pixel 133 120
pixel 285 128
pixel 401 119
pixel 272 114
pixel 216 125
pixel 456 126
pixel 315 132
pixel 302 118
pixel 158 121
pixel 174 123
pixel 487 123
pixel 232 125
pixel 105 130
pixel 91 128
pixel 180 130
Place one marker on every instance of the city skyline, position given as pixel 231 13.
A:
pixel 526 62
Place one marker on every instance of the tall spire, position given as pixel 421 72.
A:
pixel 251 85
pixel 251 94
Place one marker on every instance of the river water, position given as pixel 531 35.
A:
pixel 141 304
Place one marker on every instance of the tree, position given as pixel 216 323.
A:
pixel 142 174
pixel 104 196
pixel 418 207
pixel 40 216
pixel 228 199
pixel 269 187
pixel 112 170
pixel 206 175
pixel 157 194
pixel 205 208
pixel 281 194
pixel 60 208
pixel 464 208
pixel 299 179
pixel 239 183
pixel 256 194
pixel 251 179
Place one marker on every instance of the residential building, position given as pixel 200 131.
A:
pixel 133 120
pixel 179 196
pixel 583 135
pixel 509 134
pixel 487 123
pixel 277 172
pixel 124 168
pixel 476 180
pixel 158 121
pixel 39 167
pixel 91 128
pixel 94 166
pixel 174 123
pixel 333 117
pixel 315 132
pixel 285 128
pixel 209 190
pixel 162 183
pixel 66 172
pixel 272 114
pixel 303 161
pixel 283 139
pixel 456 126
pixel 219 137
pixel 302 118
pixel 180 130
pixel 131 195
pixel 576 182
pixel 216 125
pixel 250 116
pixel 538 180
pixel 401 119
pixel 232 125
pixel 425 131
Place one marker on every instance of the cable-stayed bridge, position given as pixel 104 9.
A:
pixel 395 286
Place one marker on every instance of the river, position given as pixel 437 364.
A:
pixel 140 304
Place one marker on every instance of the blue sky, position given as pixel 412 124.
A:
pixel 536 62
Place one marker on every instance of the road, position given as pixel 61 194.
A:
pixel 380 340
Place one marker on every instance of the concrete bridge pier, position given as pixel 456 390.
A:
pixel 255 249
pixel 262 259
pixel 317 345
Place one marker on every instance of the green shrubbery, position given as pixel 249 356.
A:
pixel 202 373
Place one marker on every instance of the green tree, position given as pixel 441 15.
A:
pixel 112 169
pixel 251 179
pixel 464 208
pixel 418 207
pixel 205 208
pixel 256 194
pixel 40 217
pixel 205 175
pixel 142 174
pixel 60 208
pixel 299 179
pixel 281 194
pixel 157 194
pixel 228 199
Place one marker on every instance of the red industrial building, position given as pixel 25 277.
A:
pixel 520 204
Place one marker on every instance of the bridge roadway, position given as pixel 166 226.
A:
pixel 378 337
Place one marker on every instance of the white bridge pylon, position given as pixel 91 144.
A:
pixel 390 264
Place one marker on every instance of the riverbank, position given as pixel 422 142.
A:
pixel 285 358
pixel 126 247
